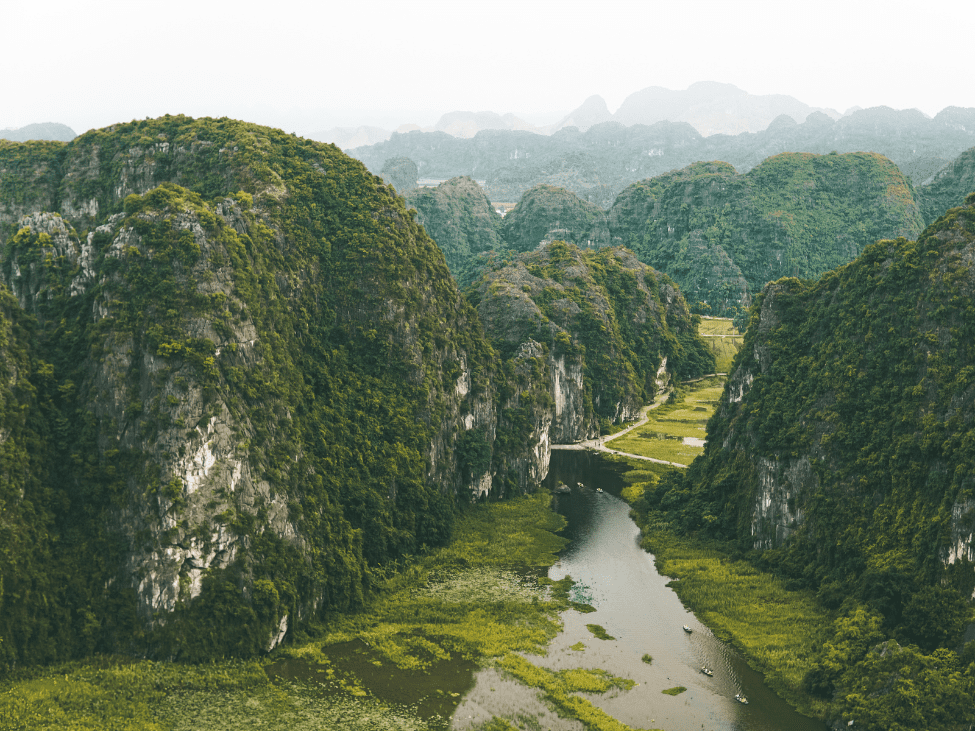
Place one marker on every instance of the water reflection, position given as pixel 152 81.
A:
pixel 634 605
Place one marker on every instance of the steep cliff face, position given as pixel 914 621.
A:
pixel 722 236
pixel 263 381
pixel 845 437
pixel 603 324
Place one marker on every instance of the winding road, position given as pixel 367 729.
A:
pixel 599 443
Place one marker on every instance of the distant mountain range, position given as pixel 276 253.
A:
pixel 708 106
pixel 43 131
pixel 598 163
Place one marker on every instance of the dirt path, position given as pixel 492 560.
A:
pixel 599 444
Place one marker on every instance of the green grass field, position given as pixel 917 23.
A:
pixel 723 340
pixel 685 415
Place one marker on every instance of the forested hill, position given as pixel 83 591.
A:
pixel 249 356
pixel 547 213
pixel 606 331
pixel 949 187
pixel 722 235
pixel 460 218
pixel 240 380
pixel 844 448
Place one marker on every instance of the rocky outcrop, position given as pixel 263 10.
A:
pixel 840 439
pixel 608 329
pixel 262 375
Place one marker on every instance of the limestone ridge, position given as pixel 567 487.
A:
pixel 844 438
pixel 600 162
pixel 598 324
pixel 460 218
pixel 261 382
pixel 722 235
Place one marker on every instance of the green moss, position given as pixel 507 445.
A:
pixel 599 632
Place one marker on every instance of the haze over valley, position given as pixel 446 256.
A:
pixel 645 400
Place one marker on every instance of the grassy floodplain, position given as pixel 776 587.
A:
pixel 482 599
pixel 778 630
pixel 686 414
pixel 723 339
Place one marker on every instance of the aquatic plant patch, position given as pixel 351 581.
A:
pixel 676 690
pixel 559 688
pixel 781 631
pixel 599 632
pixel 482 584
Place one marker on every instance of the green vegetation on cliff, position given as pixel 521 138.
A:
pixel 843 451
pixel 722 235
pixel 459 217
pixel 948 188
pixel 547 213
pixel 604 322
pixel 253 346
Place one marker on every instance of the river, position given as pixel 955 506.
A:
pixel 636 607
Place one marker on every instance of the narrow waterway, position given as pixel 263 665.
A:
pixel 644 616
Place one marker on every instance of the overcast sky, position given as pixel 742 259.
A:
pixel 309 66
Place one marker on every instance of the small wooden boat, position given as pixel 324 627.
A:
pixel 707 671
pixel 599 489
pixel 687 629
pixel 741 699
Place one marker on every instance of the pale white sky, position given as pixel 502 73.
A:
pixel 309 66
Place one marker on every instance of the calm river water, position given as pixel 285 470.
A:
pixel 635 606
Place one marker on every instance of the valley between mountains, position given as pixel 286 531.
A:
pixel 272 433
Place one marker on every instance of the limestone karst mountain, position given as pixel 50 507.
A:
pixel 842 447
pixel 239 380
pixel 42 131
pixel 606 330
pixel 460 219
pixel 599 163
pixel 722 235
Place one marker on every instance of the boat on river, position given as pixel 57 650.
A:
pixel 599 489
pixel 741 699
pixel 687 629
pixel 707 671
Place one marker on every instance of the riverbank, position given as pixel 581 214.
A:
pixel 403 662
pixel 779 631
